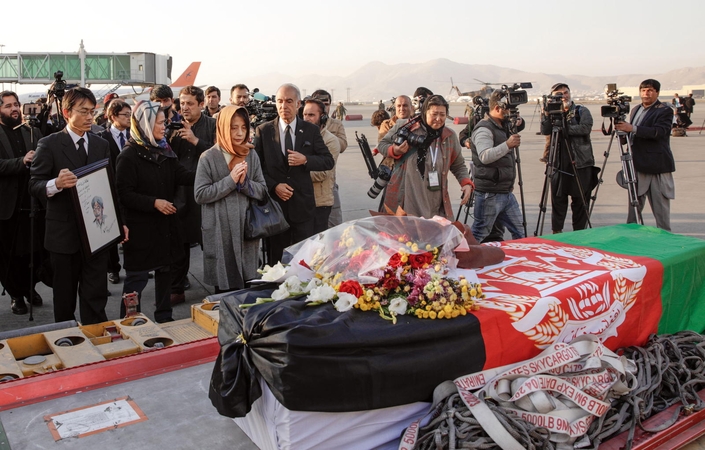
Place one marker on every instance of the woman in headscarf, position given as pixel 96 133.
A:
pixel 228 175
pixel 426 153
pixel 147 175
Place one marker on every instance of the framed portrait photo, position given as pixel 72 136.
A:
pixel 96 207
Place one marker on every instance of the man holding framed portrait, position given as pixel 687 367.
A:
pixel 52 176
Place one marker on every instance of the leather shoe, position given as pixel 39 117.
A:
pixel 36 299
pixel 114 277
pixel 18 305
pixel 177 298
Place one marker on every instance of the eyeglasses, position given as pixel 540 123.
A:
pixel 84 112
pixel 124 115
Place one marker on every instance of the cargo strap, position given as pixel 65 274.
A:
pixel 562 391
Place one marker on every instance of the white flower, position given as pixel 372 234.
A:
pixel 314 283
pixel 281 293
pixel 273 273
pixel 293 284
pixel 323 293
pixel 345 301
pixel 398 306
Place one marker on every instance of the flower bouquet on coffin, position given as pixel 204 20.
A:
pixel 388 264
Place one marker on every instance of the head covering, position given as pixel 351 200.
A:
pixel 557 86
pixel 144 116
pixel 222 134
pixel 431 134
pixel 109 97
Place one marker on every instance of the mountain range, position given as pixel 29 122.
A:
pixel 377 80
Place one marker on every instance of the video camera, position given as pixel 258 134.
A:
pixel 515 95
pixel 553 104
pixel 482 107
pixel 31 112
pixel 617 106
pixel 261 108
pixel 58 87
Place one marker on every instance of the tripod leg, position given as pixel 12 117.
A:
pixel 629 174
pixel 521 190
pixel 602 171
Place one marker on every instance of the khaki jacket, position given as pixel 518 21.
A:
pixel 323 182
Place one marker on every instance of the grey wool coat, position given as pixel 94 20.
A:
pixel 228 259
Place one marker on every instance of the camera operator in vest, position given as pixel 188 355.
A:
pixel 569 179
pixel 495 171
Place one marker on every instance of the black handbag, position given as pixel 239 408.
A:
pixel 264 219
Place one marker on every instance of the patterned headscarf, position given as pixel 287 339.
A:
pixel 222 134
pixel 144 116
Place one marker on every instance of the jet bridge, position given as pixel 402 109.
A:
pixel 83 68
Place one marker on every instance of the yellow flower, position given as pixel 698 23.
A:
pixel 414 248
pixel 473 292
pixel 369 293
pixel 455 313
pixel 448 309
pixel 441 314
pixel 408 244
pixel 404 258
pixel 428 247
pixel 425 314
pixel 419 313
pixel 432 314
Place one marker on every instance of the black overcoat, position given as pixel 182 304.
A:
pixel 144 176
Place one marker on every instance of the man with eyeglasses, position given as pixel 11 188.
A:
pixel 335 126
pixel 17 143
pixel 118 113
pixel 51 180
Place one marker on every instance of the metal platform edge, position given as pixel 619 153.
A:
pixel 39 388
pixel 685 430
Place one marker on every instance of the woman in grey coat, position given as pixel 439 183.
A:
pixel 227 177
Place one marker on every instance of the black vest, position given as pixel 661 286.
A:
pixel 497 177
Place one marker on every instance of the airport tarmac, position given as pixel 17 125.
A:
pixel 25 426
pixel 687 210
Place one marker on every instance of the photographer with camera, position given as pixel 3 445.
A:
pixel 572 164
pixel 424 151
pixel 493 155
pixel 17 143
pixel 650 133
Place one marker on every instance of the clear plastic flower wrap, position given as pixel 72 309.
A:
pixel 360 250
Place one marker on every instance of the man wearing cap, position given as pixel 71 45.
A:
pixel 650 134
pixel 334 126
pixel 572 164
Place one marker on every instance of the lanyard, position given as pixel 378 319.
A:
pixel 434 155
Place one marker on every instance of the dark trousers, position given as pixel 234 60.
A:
pixel 298 231
pixel 136 281
pixel 320 220
pixel 179 270
pixel 563 186
pixel 73 274
pixel 114 260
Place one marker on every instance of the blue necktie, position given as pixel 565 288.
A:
pixel 122 140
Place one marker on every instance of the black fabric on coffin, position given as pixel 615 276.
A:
pixel 314 358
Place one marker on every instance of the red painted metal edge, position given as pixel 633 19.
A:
pixel 686 429
pixel 39 388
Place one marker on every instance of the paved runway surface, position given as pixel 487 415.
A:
pixel 687 216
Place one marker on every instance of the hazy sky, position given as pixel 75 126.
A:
pixel 237 41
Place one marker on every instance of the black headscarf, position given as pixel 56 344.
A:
pixel 431 134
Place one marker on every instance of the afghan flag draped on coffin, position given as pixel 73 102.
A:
pixel 621 283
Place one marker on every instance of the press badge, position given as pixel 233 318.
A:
pixel 434 183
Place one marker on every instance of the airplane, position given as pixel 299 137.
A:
pixel 187 78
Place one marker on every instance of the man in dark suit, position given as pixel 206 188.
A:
pixel 289 149
pixel 17 144
pixel 51 180
pixel 118 114
pixel 650 130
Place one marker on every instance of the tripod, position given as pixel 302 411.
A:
pixel 514 130
pixel 552 169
